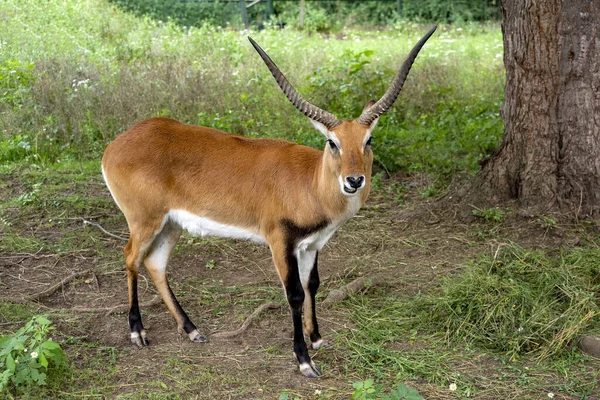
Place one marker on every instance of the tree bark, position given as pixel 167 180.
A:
pixel 550 154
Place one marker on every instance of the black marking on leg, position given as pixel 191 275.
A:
pixel 295 291
pixel 188 325
pixel 313 285
pixel 295 296
pixel 136 327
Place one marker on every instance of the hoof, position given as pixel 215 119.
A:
pixel 196 337
pixel 321 344
pixel 310 370
pixel 139 339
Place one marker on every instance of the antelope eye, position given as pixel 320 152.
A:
pixel 369 141
pixel 332 144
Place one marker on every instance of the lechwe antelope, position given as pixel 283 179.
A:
pixel 166 176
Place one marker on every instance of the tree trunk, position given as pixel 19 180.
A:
pixel 550 155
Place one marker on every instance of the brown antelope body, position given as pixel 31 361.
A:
pixel 166 176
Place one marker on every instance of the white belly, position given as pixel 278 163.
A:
pixel 201 226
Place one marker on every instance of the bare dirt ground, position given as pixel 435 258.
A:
pixel 219 283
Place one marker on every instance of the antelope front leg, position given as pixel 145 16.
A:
pixel 286 262
pixel 309 276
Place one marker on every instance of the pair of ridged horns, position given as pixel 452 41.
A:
pixel 329 120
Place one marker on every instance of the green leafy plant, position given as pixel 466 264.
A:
pixel 430 191
pixel 30 197
pixel 14 147
pixel 490 214
pixel 547 222
pixel 16 78
pixel 286 396
pixel 367 390
pixel 377 181
pixel 26 356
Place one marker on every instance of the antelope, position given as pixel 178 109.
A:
pixel 166 176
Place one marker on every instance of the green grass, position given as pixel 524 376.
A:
pixel 520 312
pixel 519 302
pixel 69 95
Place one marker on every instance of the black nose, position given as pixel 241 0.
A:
pixel 355 181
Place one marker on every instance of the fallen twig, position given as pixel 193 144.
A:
pixel 247 322
pixel 337 295
pixel 59 285
pixel 11 323
pixel 23 256
pixel 86 222
pixel 118 308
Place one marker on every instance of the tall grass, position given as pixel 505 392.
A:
pixel 74 74
pixel 516 302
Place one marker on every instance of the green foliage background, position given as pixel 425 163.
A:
pixel 98 70
pixel 320 14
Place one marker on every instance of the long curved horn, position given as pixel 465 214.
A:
pixel 369 115
pixel 311 111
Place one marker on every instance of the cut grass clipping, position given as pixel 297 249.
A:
pixel 518 301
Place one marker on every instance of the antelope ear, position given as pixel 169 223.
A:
pixel 320 127
pixel 373 124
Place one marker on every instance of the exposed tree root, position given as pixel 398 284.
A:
pixel 118 308
pixel 86 222
pixel 247 322
pixel 54 288
pixel 337 295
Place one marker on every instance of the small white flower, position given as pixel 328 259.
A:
pixel 521 329
pixel 452 387
pixel 34 354
pixel 551 395
pixel 318 392
pixel 25 350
